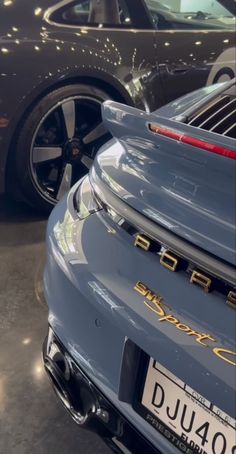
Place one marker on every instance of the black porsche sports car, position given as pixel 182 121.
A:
pixel 59 62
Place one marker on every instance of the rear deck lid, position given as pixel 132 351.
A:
pixel 179 176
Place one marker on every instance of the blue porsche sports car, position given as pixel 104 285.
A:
pixel 140 281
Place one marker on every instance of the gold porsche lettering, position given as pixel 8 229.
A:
pixel 169 261
pixel 155 303
pixel 142 242
pixel 231 299
pixel 199 279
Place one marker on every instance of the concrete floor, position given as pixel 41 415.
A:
pixel 31 418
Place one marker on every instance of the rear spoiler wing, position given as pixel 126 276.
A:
pixel 124 122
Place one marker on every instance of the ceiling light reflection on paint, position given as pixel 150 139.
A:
pixel 37 11
pixel 7 2
pixel 4 50
pixel 198 43
pixel 15 29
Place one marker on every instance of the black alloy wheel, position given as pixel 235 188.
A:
pixel 58 143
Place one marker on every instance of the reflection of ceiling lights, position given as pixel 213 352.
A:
pixel 7 2
pixel 38 11
pixel 26 341
pixel 14 29
pixel 4 50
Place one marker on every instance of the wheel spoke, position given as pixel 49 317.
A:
pixel 87 161
pixel 65 181
pixel 75 124
pixel 68 109
pixel 96 133
pixel 41 154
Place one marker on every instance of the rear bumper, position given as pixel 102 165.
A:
pixel 85 402
pixel 106 326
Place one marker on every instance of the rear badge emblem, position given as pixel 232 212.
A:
pixel 174 263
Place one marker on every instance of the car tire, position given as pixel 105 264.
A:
pixel 57 143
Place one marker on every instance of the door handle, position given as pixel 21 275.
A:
pixel 180 69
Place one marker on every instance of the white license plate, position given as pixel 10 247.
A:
pixel 197 423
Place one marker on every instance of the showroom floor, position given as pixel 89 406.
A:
pixel 31 418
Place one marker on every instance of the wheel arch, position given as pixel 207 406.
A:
pixel 107 83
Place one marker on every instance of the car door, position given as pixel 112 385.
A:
pixel 195 43
pixel 112 40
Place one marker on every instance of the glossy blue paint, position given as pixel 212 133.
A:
pixel 190 191
pixel 93 266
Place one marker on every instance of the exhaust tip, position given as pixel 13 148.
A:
pixel 57 384
pixel 73 391
pixel 58 358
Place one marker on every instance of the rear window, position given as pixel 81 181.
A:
pixel 190 14
pixel 96 13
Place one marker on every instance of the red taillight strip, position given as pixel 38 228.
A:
pixel 192 141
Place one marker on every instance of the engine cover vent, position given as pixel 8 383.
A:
pixel 219 117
